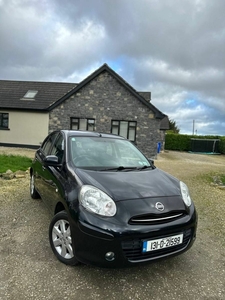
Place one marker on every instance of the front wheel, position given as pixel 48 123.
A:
pixel 61 240
pixel 33 192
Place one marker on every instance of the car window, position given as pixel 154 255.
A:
pixel 105 152
pixel 125 151
pixel 58 148
pixel 46 146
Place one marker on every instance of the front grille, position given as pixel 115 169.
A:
pixel 132 248
pixel 152 219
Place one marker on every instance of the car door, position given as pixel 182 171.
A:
pixel 39 168
pixel 54 178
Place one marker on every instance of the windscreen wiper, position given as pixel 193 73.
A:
pixel 120 168
pixel 145 167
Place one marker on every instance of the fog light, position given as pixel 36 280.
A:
pixel 110 256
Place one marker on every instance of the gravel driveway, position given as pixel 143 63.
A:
pixel 29 270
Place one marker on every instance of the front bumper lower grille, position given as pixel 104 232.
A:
pixel 132 248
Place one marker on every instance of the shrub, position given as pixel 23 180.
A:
pixel 182 142
pixel 222 145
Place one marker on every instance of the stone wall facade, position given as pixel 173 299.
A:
pixel 105 99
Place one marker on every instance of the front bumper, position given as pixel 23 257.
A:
pixel 93 238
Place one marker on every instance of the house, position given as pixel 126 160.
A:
pixel 102 102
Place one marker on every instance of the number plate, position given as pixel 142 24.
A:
pixel 162 243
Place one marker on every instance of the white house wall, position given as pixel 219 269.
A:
pixel 25 128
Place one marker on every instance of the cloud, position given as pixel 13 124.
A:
pixel 173 48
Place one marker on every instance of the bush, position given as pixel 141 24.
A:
pixel 182 142
pixel 222 145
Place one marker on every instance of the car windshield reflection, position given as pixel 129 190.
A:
pixel 106 153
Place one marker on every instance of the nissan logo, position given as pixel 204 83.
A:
pixel 159 206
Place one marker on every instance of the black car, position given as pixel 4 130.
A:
pixel 111 206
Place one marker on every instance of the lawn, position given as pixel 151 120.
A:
pixel 14 163
pixel 223 179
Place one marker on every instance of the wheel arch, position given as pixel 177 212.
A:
pixel 59 207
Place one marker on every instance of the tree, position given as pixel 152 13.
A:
pixel 173 126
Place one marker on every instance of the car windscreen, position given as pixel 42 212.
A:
pixel 105 153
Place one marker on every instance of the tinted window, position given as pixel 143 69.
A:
pixel 46 146
pixel 58 148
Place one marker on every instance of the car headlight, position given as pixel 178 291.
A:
pixel 185 193
pixel 96 201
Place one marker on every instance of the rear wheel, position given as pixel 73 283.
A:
pixel 33 192
pixel 61 240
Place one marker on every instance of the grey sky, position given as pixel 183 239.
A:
pixel 173 48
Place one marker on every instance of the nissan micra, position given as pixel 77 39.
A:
pixel 110 205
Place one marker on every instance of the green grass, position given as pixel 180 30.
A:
pixel 222 177
pixel 218 178
pixel 14 163
pixel 213 177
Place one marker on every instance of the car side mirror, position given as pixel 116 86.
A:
pixel 151 162
pixel 52 160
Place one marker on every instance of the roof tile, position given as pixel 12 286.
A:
pixel 12 94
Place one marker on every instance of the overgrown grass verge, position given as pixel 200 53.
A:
pixel 222 177
pixel 214 177
pixel 14 163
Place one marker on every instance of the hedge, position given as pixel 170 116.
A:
pixel 222 145
pixel 182 142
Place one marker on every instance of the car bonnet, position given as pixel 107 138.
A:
pixel 135 184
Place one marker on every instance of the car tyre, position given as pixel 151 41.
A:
pixel 33 192
pixel 61 240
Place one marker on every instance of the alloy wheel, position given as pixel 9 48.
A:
pixel 61 238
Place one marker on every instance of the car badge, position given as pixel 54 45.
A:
pixel 159 206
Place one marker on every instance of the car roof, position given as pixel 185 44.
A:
pixel 83 133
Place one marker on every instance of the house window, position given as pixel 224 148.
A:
pixel 82 124
pixel 30 94
pixel 4 121
pixel 127 129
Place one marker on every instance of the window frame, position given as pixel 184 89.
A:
pixel 90 123
pixel 4 116
pixel 129 127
